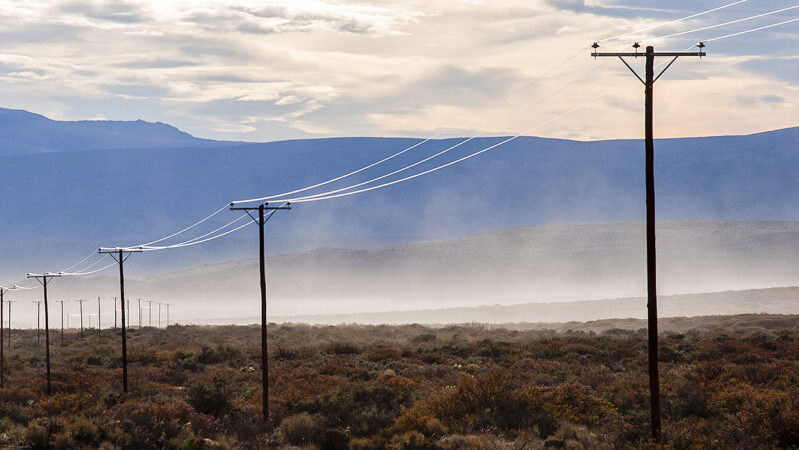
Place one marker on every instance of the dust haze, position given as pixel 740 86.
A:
pixel 564 270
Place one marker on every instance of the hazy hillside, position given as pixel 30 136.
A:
pixel 23 133
pixel 122 197
pixel 554 263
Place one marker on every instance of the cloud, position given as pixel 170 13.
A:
pixel 750 100
pixel 252 70
pixel 112 11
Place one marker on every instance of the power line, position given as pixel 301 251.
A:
pixel 494 104
pixel 190 241
pixel 189 244
pixel 187 228
pixel 731 22
pixel 718 38
pixel 692 16
pixel 331 194
pixel 77 274
pixel 471 155
pixel 93 253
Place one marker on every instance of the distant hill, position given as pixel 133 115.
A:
pixel 122 183
pixel 24 133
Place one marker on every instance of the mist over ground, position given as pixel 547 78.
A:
pixel 553 264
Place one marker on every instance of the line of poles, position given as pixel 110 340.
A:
pixel 44 280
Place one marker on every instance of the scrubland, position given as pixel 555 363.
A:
pixel 726 382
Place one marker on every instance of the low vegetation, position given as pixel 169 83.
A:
pixel 726 383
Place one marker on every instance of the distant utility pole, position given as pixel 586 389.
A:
pixel 89 318
pixel 167 314
pixel 81 317
pixel 261 221
pixel 98 318
pixel 159 314
pixel 38 317
pixel 115 313
pixel 129 314
pixel 651 259
pixel 121 255
pixel 9 321
pixel 44 279
pixel 62 319
pixel 3 290
pixel 150 312
pixel 139 300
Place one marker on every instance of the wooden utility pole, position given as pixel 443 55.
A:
pixel 9 322
pixel 62 320
pixel 81 317
pixel 121 255
pixel 38 318
pixel 44 279
pixel 3 290
pixel 651 258
pixel 261 252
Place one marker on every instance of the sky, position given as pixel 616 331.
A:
pixel 272 70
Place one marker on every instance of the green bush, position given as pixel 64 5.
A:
pixel 209 397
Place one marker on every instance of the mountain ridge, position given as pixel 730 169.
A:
pixel 107 197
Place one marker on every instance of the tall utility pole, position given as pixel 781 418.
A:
pixel 261 221
pixel 121 255
pixel 62 320
pixel 9 322
pixel 38 318
pixel 167 314
pixel 3 290
pixel 81 317
pixel 44 279
pixel 651 259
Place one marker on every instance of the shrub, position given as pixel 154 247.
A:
pixel 299 429
pixel 209 398
pixel 342 348
pixel 425 337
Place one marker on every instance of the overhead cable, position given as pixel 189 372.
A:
pixel 405 150
pixel 471 155
pixel 663 24
pixel 731 22
pixel 765 27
